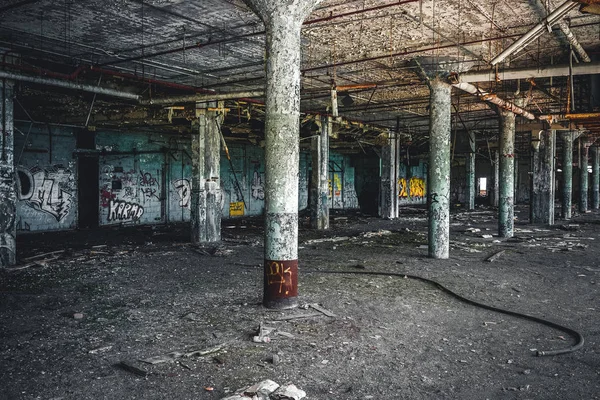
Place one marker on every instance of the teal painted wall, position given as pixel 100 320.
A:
pixel 145 178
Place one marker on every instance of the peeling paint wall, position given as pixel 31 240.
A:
pixel 412 184
pixel 46 178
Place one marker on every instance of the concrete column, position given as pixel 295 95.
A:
pixel 470 166
pixel 506 211
pixel 438 182
pixel 206 209
pixel 319 207
pixel 516 181
pixel 496 188
pixel 583 175
pixel 567 168
pixel 388 179
pixel 283 21
pixel 8 195
pixel 542 194
pixel 595 178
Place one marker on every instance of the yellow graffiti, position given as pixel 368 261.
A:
pixel 236 209
pixel 402 188
pixel 415 187
pixel 337 184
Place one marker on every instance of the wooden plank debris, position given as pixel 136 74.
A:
pixel 128 366
pixel 495 256
pixel 174 355
pixel 322 310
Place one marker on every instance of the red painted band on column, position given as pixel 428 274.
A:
pixel 281 279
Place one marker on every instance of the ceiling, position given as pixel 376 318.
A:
pixel 366 48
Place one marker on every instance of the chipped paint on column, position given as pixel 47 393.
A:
pixel 319 212
pixel 388 184
pixel 595 178
pixel 283 21
pixel 567 168
pixel 212 178
pixel 206 209
pixel 496 191
pixel 542 194
pixel 583 176
pixel 470 166
pixel 439 169
pixel 8 195
pixel 198 200
pixel 506 212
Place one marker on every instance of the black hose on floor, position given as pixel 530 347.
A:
pixel 579 341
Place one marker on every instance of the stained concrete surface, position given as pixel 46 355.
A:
pixel 145 292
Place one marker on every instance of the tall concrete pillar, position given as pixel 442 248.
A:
pixel 567 169
pixel 388 204
pixel 470 166
pixel 496 182
pixel 516 193
pixel 438 182
pixel 506 211
pixel 319 207
pixel 8 195
pixel 283 21
pixel 541 208
pixel 595 178
pixel 583 175
pixel 206 210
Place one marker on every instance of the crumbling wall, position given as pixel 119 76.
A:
pixel 342 188
pixel 46 178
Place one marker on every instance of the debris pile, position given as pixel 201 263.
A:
pixel 268 390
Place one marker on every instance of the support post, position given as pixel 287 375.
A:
pixel 567 170
pixel 320 170
pixel 206 210
pixel 496 191
pixel 283 21
pixel 542 194
pixel 583 175
pixel 516 181
pixel 506 212
pixel 595 178
pixel 8 195
pixel 388 179
pixel 470 166
pixel 438 182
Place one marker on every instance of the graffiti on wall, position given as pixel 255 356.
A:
pixel 258 186
pixel 124 211
pixel 149 186
pixel 413 188
pixel 184 191
pixel 49 190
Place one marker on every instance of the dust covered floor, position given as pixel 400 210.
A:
pixel 126 295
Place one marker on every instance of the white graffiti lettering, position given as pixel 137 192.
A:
pixel 258 187
pixel 46 190
pixel 124 211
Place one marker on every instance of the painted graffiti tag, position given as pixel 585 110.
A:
pixel 124 211
pixel 184 190
pixel 258 187
pixel 415 187
pixel 47 190
pixel 279 274
pixel 146 179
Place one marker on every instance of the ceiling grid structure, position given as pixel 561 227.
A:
pixel 366 48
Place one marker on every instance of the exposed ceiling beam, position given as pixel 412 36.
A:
pixel 526 73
